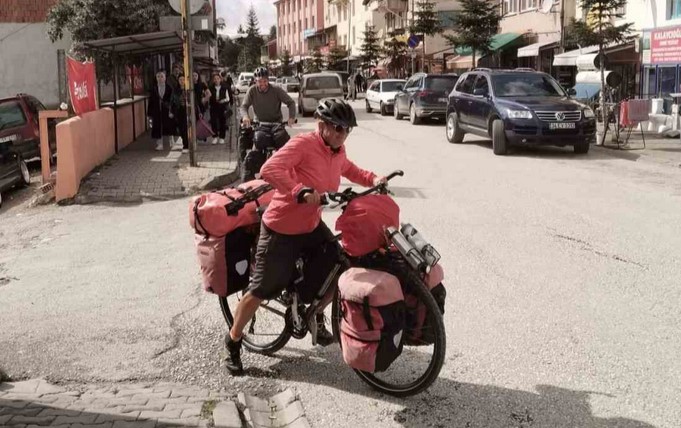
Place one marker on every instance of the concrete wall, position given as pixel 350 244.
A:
pixel 31 71
pixel 545 25
pixel 83 143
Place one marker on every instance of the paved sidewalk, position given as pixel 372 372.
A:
pixel 139 172
pixel 659 150
pixel 36 403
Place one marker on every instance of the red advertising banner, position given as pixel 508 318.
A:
pixel 665 45
pixel 135 79
pixel 82 84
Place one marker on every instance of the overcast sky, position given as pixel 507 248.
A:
pixel 234 12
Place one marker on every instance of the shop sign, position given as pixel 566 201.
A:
pixel 665 45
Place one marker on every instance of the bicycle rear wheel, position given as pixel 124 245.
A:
pixel 266 332
pixel 420 363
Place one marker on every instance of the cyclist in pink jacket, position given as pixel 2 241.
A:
pixel 307 166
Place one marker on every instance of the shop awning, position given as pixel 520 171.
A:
pixel 461 61
pixel 533 49
pixel 569 59
pixel 499 42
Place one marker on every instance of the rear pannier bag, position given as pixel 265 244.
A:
pixel 419 331
pixel 372 324
pixel 208 213
pixel 223 242
pixel 364 221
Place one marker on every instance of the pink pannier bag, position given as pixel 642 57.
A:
pixel 363 223
pixel 208 212
pixel 372 308
pixel 418 329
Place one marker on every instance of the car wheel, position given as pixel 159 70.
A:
pixel 499 137
pixel 384 112
pixel 581 148
pixel 396 112
pixel 413 118
pixel 25 174
pixel 454 132
pixel 368 106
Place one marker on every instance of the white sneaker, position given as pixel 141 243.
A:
pixel 222 141
pixel 215 141
pixel 159 145
pixel 185 150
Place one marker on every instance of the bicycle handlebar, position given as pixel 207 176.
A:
pixel 249 195
pixel 348 194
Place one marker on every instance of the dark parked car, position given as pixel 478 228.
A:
pixel 518 107
pixel 13 169
pixel 289 83
pixel 19 125
pixel 424 96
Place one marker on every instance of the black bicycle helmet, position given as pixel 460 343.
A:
pixel 261 72
pixel 337 112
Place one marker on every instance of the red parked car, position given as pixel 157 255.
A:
pixel 19 126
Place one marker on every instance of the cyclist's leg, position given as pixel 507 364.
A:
pixel 275 260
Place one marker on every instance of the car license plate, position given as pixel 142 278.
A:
pixel 442 100
pixel 562 125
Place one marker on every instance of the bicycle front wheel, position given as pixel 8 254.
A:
pixel 421 361
pixel 266 332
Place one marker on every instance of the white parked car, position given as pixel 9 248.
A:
pixel 381 95
pixel 243 83
pixel 316 86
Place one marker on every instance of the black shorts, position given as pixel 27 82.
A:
pixel 276 255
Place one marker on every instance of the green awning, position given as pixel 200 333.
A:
pixel 499 42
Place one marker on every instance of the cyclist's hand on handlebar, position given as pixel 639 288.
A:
pixel 246 122
pixel 380 180
pixel 313 198
pixel 291 121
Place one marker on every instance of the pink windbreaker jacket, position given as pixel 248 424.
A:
pixel 305 161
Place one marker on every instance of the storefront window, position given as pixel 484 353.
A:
pixel 667 81
pixel 649 82
pixel 674 9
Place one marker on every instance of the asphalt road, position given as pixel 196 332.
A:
pixel 561 270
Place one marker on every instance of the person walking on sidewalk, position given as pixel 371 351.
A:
pixel 219 104
pixel 180 107
pixel 352 88
pixel 306 166
pixel 160 110
pixel 201 96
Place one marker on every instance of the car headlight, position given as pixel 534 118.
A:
pixel 588 113
pixel 519 114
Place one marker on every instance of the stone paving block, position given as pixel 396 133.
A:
pixel 5 418
pixel 182 422
pixel 33 420
pixel 226 415
pixel 113 417
pixel 46 388
pixel 80 419
pixel 55 412
pixel 136 400
pixel 188 413
pixel 19 404
pixel 147 414
pixel 130 392
pixel 134 424
pixel 24 387
pixel 26 411
pixel 189 392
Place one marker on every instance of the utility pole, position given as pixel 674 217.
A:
pixel 188 80
pixel 413 52
pixel 562 26
pixel 349 41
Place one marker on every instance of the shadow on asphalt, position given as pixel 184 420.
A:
pixel 28 412
pixel 448 403
pixel 553 152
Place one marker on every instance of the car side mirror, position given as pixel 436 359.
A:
pixel 480 92
pixel 572 92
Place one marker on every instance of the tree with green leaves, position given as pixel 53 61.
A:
pixel 395 51
pixel 228 52
pixel 335 56
pixel 286 60
pixel 598 28
pixel 250 42
pixel 371 47
pixel 425 22
pixel 92 20
pixel 476 25
pixel 315 63
pixel 273 33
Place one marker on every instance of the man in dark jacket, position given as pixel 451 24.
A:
pixel 220 100
pixel 160 110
